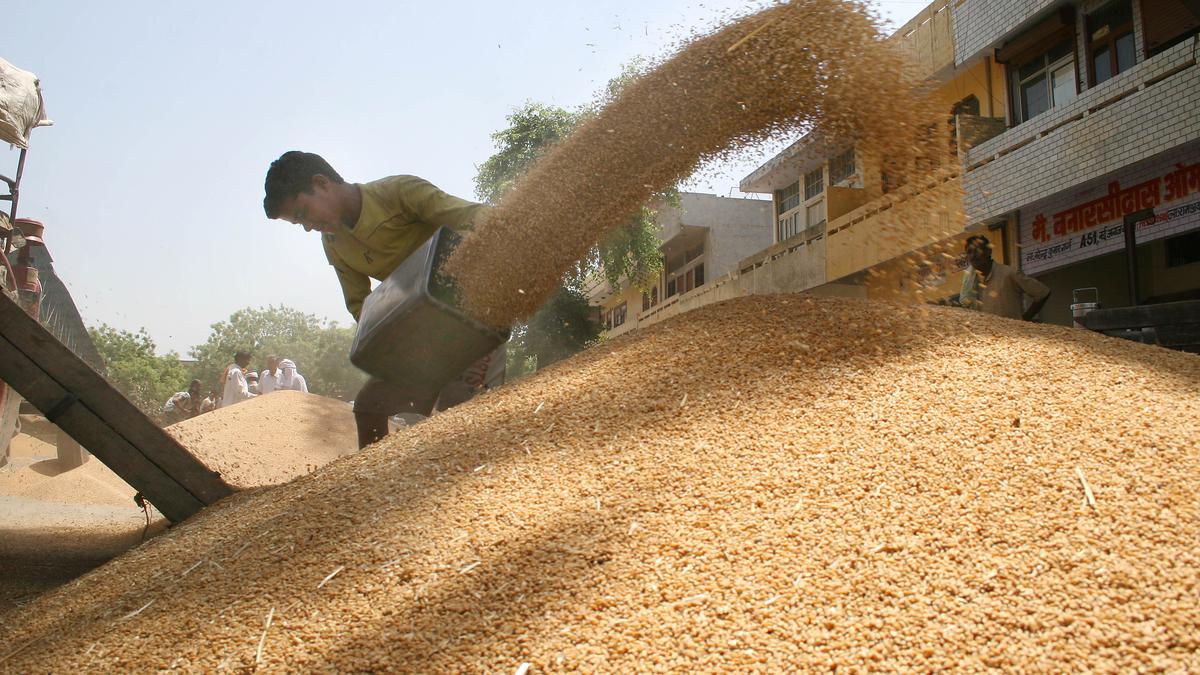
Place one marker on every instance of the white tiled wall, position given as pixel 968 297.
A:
pixel 1148 122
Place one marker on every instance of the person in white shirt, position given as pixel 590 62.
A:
pixel 236 389
pixel 268 380
pixel 289 378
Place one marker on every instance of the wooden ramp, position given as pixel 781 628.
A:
pixel 82 403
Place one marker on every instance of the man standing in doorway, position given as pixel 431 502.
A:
pixel 367 230
pixel 996 288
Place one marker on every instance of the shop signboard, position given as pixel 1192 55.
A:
pixel 1082 224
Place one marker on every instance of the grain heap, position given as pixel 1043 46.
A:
pixel 270 439
pixel 816 65
pixel 839 483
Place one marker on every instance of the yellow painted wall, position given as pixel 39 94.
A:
pixel 973 81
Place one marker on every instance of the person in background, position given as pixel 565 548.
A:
pixel 996 288
pixel 210 402
pixel 290 379
pixel 183 405
pixel 268 379
pixel 233 381
pixel 252 382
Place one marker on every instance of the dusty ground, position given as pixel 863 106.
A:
pixel 56 524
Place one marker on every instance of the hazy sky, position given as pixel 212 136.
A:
pixel 167 115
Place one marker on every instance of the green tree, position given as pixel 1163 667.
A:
pixel 144 377
pixel 320 349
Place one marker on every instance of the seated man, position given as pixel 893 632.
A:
pixel 996 288
pixel 367 230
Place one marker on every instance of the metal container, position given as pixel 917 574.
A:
pixel 412 332
pixel 1080 308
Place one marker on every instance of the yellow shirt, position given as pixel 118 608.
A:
pixel 399 213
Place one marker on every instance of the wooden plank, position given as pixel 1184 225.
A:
pixel 32 343
pixel 77 377
pixel 167 495
pixel 1165 314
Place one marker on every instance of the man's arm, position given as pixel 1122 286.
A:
pixel 1038 293
pixel 431 205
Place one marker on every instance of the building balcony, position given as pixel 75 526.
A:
pixel 1144 111
pixel 913 216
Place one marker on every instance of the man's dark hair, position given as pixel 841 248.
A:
pixel 292 174
pixel 984 243
pixel 241 354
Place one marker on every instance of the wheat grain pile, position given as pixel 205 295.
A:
pixel 771 484
pixel 819 65
pixel 270 439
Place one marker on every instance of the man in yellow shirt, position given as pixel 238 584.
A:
pixel 367 230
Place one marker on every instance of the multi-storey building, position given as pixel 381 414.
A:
pixel 1103 117
pixel 705 236
pixel 1066 118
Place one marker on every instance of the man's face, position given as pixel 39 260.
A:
pixel 194 391
pixel 272 364
pixel 978 255
pixel 318 209
pixel 242 361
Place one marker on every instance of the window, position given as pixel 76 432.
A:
pixel 670 288
pixel 700 274
pixel 815 213
pixel 645 301
pixel 654 296
pixel 1166 23
pixel 789 226
pixel 967 106
pixel 788 197
pixel 1044 81
pixel 841 167
pixel 814 183
pixel 1110 41
pixel 1183 250
pixel 618 315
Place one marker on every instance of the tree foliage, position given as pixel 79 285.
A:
pixel 320 349
pixel 145 378
pixel 532 129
